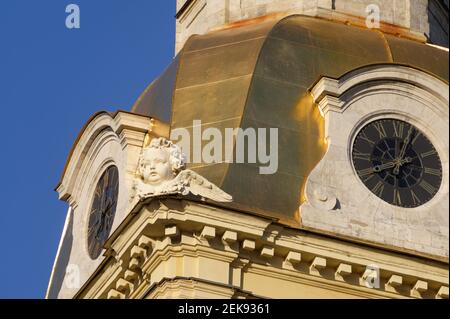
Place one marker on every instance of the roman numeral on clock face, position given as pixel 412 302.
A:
pixel 364 137
pixel 366 174
pixel 416 200
pixel 362 156
pixel 416 137
pixel 429 153
pixel 380 129
pixel 378 189
pixel 398 128
pixel 432 171
pixel 397 198
pixel 366 171
pixel 427 187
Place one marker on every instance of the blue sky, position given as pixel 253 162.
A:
pixel 52 79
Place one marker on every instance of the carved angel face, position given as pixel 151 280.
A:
pixel 155 167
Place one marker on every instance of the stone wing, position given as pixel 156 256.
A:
pixel 198 185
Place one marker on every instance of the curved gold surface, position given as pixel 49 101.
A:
pixel 258 76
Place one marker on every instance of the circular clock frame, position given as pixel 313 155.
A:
pixel 102 211
pixel 397 162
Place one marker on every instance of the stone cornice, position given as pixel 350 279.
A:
pixel 168 233
pixel 327 91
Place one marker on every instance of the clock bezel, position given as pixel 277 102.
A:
pixel 395 115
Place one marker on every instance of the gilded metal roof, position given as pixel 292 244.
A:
pixel 258 75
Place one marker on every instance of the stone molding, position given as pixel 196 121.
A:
pixel 168 239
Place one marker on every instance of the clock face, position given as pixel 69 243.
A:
pixel 397 163
pixel 102 211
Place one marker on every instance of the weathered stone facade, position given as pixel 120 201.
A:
pixel 420 19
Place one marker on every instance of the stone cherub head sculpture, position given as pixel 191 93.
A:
pixel 160 162
pixel 161 171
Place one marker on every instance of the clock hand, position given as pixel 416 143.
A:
pixel 104 219
pixel 403 151
pixel 406 142
pixel 382 167
pixel 102 224
pixel 393 164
